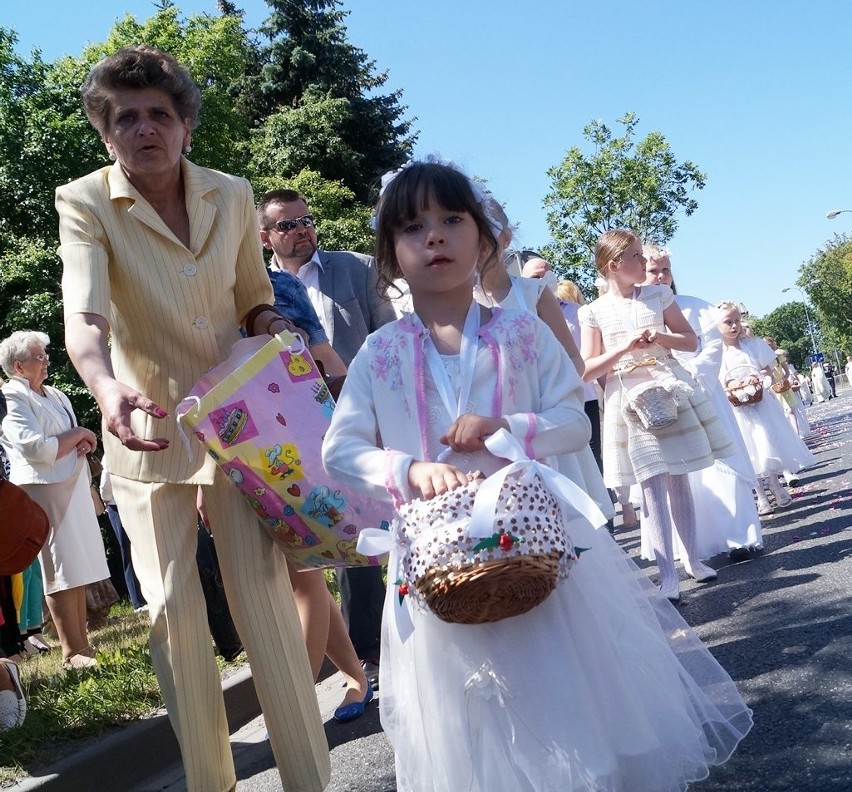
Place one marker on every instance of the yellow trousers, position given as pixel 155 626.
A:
pixel 160 520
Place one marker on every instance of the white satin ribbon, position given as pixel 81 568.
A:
pixel 467 362
pixel 374 541
pixel 577 504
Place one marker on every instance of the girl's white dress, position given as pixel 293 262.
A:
pixel 725 512
pixel 581 467
pixel 601 687
pixel 632 453
pixel 772 445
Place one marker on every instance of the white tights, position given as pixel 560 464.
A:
pixel 661 493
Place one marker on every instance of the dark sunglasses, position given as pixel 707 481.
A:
pixel 286 226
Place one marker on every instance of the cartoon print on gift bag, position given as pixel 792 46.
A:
pixel 233 424
pixel 298 526
pixel 283 462
pixel 323 397
pixel 298 366
pixel 324 505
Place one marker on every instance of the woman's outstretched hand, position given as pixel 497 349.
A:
pixel 117 401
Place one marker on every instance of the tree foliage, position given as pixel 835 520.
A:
pixel 314 120
pixel 622 183
pixel 788 325
pixel 827 279
pixel 310 71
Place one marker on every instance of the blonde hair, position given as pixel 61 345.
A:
pixel 568 291
pixel 610 245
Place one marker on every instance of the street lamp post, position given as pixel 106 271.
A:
pixel 834 212
pixel 814 349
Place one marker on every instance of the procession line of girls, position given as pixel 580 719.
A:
pixel 603 686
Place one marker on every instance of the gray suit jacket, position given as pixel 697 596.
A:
pixel 353 307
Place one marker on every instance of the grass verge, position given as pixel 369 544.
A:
pixel 67 706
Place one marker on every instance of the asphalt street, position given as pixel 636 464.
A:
pixel 780 622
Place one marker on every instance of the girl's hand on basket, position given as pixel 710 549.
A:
pixel 434 478
pixel 468 432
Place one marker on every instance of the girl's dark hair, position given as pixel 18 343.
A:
pixel 137 67
pixel 411 192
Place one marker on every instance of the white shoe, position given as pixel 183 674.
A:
pixel 765 509
pixel 782 499
pixel 13 705
pixel 672 594
pixel 701 572
pixel 37 640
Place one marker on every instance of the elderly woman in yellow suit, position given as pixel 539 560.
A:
pixel 162 264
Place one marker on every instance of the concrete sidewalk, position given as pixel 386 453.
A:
pixel 126 758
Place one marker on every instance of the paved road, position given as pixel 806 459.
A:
pixel 779 622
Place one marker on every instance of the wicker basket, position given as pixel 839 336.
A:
pixel 653 404
pixel 468 580
pixel 742 396
pixel 490 591
pixel 781 387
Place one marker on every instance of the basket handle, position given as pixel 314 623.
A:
pixel 502 444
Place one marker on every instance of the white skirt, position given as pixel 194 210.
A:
pixel 772 445
pixel 73 554
pixel 602 687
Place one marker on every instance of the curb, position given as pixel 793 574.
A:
pixel 126 752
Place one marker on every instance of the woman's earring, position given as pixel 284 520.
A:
pixel 187 149
pixel 111 154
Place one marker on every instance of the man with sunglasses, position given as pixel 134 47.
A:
pixel 342 288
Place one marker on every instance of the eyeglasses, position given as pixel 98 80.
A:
pixel 40 358
pixel 286 226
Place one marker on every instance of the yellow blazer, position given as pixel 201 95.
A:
pixel 173 312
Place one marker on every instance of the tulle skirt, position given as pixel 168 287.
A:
pixel 602 687
pixel 773 446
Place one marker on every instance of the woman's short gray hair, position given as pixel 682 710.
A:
pixel 17 348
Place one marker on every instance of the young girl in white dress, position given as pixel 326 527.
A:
pixel 772 445
pixel 726 519
pixel 602 686
pixel 628 334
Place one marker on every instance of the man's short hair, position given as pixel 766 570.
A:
pixel 276 197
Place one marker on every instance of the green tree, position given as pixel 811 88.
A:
pixel 310 71
pixel 46 140
pixel 827 279
pixel 622 183
pixel 788 325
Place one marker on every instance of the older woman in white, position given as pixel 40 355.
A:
pixel 47 450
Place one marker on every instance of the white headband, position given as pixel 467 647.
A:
pixel 482 196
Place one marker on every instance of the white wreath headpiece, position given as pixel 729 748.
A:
pixel 483 197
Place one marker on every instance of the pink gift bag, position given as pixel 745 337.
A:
pixel 262 415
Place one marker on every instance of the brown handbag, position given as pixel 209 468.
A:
pixel 23 529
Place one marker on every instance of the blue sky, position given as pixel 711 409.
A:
pixel 754 93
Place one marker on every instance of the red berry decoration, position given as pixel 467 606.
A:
pixel 403 589
pixel 506 541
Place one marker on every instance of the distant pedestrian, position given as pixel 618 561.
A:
pixel 829 375
pixel 819 383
